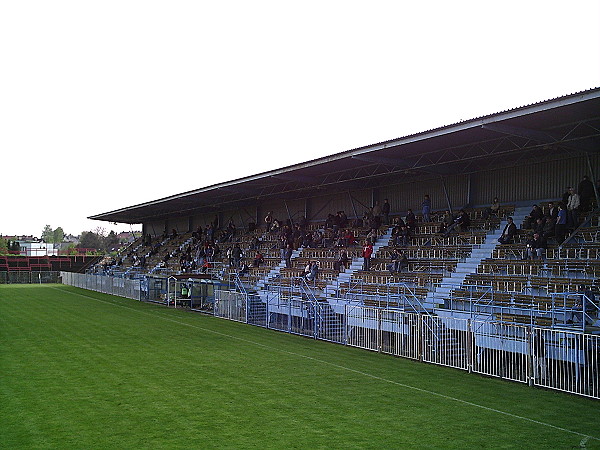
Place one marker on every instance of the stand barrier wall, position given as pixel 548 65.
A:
pixel 121 287
pixel 556 359
pixel 29 277
pixel 550 358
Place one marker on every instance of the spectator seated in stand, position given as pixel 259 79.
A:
pixel 358 223
pixel 445 221
pixel 342 261
pixel 402 263
pixel 166 257
pixel 311 271
pixel 443 229
pixel 244 270
pixel 493 209
pixel 539 226
pixel 402 237
pixel 258 259
pixel 536 246
pixel 348 238
pixel 531 220
pixel 549 226
pixel 254 243
pixel 307 240
pixel 329 238
pixel 317 239
pixel 392 266
pixel 398 262
pixel 462 222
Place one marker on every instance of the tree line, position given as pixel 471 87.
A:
pixel 98 239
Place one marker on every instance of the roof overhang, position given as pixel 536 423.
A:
pixel 551 129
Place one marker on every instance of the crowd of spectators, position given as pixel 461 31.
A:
pixel 555 223
pixel 339 232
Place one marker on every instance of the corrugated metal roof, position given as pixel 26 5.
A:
pixel 487 116
pixel 362 163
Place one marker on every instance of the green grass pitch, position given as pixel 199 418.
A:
pixel 79 369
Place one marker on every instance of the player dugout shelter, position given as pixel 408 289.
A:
pixel 521 155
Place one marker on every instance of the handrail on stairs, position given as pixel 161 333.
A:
pixel 584 224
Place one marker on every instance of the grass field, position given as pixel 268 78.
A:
pixel 79 369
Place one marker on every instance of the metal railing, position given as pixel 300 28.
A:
pixel 121 287
pixel 551 358
pixel 557 359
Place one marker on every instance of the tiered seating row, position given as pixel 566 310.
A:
pixel 540 284
pixel 556 267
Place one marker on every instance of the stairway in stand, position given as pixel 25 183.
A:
pixel 435 298
pixel 355 265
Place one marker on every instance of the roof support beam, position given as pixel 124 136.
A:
pixel 380 160
pixel 526 133
pixel 544 137
pixel 295 178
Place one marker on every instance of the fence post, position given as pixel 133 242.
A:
pixel 289 316
pixel 267 315
pixel 317 325
pixel 379 331
pixel 530 350
pixel 345 323
pixel 419 337
pixel 176 291
pixel 470 346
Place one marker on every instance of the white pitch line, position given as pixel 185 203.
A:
pixel 585 437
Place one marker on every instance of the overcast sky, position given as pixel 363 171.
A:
pixel 108 104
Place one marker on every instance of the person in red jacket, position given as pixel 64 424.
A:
pixel 367 252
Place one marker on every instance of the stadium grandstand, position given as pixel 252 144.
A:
pixel 405 246
pixel 21 267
